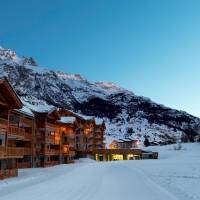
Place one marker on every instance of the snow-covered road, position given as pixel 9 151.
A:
pixel 97 181
pixel 168 178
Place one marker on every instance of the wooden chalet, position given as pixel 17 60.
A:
pixel 43 136
pixel 99 134
pixel 122 154
pixel 83 134
pixel 22 125
pixel 126 143
pixel 47 137
pixel 67 127
pixel 9 133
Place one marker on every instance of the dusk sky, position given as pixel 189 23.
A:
pixel 151 47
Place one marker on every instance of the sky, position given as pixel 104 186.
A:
pixel 150 47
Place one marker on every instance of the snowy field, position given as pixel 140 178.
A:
pixel 174 176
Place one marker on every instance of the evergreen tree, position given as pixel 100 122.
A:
pixel 146 142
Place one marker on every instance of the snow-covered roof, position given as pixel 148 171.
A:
pixel 81 116
pixel 25 110
pixel 85 117
pixel 41 108
pixel 125 140
pixel 98 121
pixel 67 120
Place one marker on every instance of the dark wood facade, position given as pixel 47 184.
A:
pixel 67 129
pixel 89 135
pixel 39 138
pixel 123 154
pixel 22 132
pixel 124 144
pixel 47 139
pixel 9 135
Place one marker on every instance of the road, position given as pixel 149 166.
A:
pixel 84 181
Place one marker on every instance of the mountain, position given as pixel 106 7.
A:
pixel 126 114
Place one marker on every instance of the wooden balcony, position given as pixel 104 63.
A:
pixel 51 126
pixel 2 152
pixel 98 131
pixel 90 137
pixel 99 146
pixel 70 162
pixel 69 138
pixel 14 131
pixel 98 142
pixel 69 142
pixel 98 136
pixel 7 173
pixel 3 123
pixel 40 139
pixel 90 141
pixel 51 163
pixel 28 136
pixel 51 152
pixel 23 165
pixel 27 151
pixel 72 153
pixel 50 139
pixel 15 152
pixel 72 147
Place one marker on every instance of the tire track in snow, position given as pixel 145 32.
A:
pixel 94 181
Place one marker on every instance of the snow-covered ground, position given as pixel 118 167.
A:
pixel 174 176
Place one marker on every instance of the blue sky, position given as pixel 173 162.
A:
pixel 151 47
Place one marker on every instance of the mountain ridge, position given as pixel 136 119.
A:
pixel 126 114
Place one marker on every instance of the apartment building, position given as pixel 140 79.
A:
pixel 67 127
pixel 9 135
pixel 22 125
pixel 47 137
pixel 42 136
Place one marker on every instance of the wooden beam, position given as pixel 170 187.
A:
pixel 4 104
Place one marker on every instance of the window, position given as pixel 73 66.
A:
pixel 14 119
pixel 2 140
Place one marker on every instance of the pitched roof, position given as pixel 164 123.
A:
pixel 11 96
pixel 67 120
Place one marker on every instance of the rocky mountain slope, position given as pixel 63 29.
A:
pixel 126 114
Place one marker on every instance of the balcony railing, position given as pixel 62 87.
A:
pixel 98 136
pixel 98 142
pixel 70 162
pixel 17 152
pixel 7 173
pixel 52 152
pixel 99 146
pixel 27 151
pixel 72 153
pixel 72 146
pixel 51 140
pixel 23 165
pixel 3 123
pixel 16 132
pixel 28 136
pixel 50 126
pixel 2 152
pixel 51 163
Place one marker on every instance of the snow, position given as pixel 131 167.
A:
pixel 98 121
pixel 85 117
pixel 42 108
pixel 83 89
pixel 174 176
pixel 26 111
pixel 67 120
